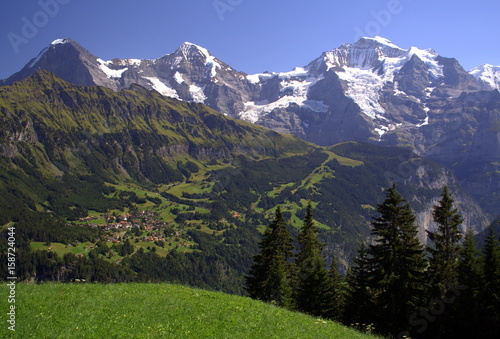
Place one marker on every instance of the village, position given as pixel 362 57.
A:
pixel 137 226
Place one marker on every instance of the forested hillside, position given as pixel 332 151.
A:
pixel 131 185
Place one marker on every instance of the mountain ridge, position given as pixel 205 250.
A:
pixel 368 91
pixel 131 132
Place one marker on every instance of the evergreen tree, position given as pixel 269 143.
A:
pixel 490 300
pixel 359 305
pixel 270 275
pixel 315 291
pixel 398 263
pixel 443 264
pixel 467 320
pixel 443 268
pixel 336 295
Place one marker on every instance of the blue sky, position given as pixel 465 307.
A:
pixel 250 35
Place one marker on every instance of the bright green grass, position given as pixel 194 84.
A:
pixel 343 160
pixel 190 188
pixel 155 311
pixel 62 249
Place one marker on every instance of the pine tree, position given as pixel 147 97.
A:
pixel 314 286
pixel 359 307
pixel 270 276
pixel 490 299
pixel 466 304
pixel 398 263
pixel 443 268
pixel 336 296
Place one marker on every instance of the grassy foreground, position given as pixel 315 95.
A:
pixel 153 311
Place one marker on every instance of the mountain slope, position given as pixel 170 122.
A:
pixel 205 182
pixel 184 129
pixel 172 312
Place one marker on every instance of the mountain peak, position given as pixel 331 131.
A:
pixel 488 74
pixel 60 42
pixel 188 49
pixel 377 40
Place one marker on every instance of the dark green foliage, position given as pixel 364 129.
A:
pixel 398 263
pixel 315 291
pixel 360 306
pixel 215 265
pixel 123 249
pixel 490 298
pixel 270 277
pixel 42 266
pixel 336 294
pixel 467 308
pixel 443 269
pixel 43 227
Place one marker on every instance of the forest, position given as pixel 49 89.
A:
pixel 396 286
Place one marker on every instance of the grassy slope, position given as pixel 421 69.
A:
pixel 155 311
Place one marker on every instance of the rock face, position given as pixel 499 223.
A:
pixel 371 91
pixel 191 73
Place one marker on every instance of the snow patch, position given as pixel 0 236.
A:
pixel 294 87
pixel 178 77
pixel 197 94
pixel 162 88
pixel 426 122
pixel 428 56
pixel 59 42
pixel 364 88
pixel 383 41
pixel 384 129
pixel 110 73
pixel 260 77
pixel 489 74
pixel 369 64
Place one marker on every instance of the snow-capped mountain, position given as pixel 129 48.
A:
pixel 371 91
pixel 488 74
pixel 370 87
pixel 362 90
pixel 191 73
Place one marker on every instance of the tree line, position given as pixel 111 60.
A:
pixel 396 286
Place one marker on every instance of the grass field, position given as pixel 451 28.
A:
pixel 154 311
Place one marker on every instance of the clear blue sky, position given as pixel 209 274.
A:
pixel 250 35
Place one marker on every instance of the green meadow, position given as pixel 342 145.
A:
pixel 154 311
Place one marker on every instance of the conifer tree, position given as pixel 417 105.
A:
pixel 490 300
pixel 270 276
pixel 336 296
pixel 443 268
pixel 314 287
pixel 359 305
pixel 398 263
pixel 466 304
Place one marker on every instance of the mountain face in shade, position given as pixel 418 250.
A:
pixel 371 91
